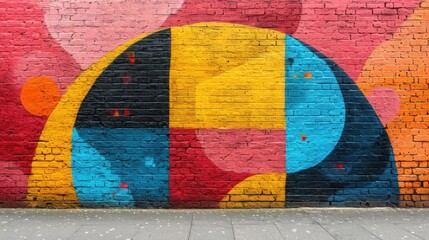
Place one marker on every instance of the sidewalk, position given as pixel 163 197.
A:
pixel 301 223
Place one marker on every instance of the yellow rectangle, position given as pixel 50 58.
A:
pixel 227 76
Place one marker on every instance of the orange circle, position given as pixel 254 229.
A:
pixel 40 95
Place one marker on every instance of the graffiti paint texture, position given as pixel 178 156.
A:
pixel 214 104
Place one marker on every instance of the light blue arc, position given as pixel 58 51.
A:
pixel 315 109
pixel 125 167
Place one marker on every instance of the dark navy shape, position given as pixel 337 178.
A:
pixel 133 92
pixel 120 148
pixel 361 170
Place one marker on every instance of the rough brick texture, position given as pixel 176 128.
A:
pixel 214 104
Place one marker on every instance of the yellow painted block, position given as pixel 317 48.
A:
pixel 272 185
pixel 227 76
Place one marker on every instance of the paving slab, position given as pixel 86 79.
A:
pixel 220 218
pixel 420 230
pixel 308 231
pixel 211 232
pixel 33 232
pixel 104 232
pixel 389 231
pixel 163 232
pixel 256 232
pixel 348 231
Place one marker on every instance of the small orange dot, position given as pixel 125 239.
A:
pixel 308 75
pixel 114 112
pixel 132 57
pixel 295 76
pixel 40 95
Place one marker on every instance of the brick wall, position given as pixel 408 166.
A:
pixel 219 104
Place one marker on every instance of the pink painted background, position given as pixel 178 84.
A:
pixel 62 38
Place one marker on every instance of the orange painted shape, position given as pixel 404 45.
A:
pixel 398 65
pixel 40 95
pixel 308 75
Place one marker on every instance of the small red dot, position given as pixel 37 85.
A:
pixel 340 165
pixel 132 57
pixel 127 112
pixel 114 112
pixel 124 185
pixel 126 79
pixel 303 137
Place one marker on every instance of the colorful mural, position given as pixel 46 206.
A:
pixel 146 133
pixel 239 104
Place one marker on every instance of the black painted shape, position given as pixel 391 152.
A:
pixel 360 171
pixel 137 93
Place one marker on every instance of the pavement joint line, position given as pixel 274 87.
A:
pixel 357 224
pixel 232 226
pixel 414 234
pixel 278 229
pixel 77 230
pixel 137 232
pixel 318 223
pixel 190 227
pixel 369 231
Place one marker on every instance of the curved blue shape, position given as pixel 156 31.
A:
pixel 131 169
pixel 315 109
pixel 95 183
pixel 361 170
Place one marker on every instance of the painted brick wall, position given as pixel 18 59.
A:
pixel 214 104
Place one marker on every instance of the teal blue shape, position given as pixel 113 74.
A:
pixel 95 183
pixel 126 167
pixel 314 108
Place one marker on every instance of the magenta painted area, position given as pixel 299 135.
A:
pixel 282 15
pixel 89 29
pixel 252 151
pixel 348 31
pixel 28 50
pixel 385 102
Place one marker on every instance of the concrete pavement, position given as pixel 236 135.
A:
pixel 260 224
